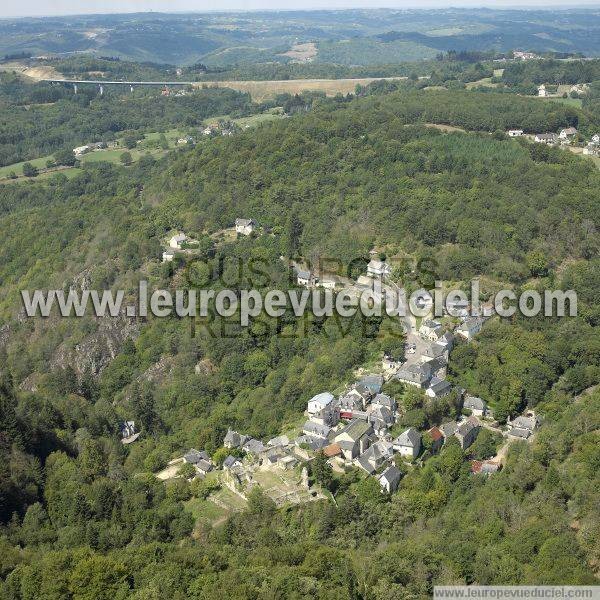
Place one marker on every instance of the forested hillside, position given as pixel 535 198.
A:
pixel 552 71
pixel 83 516
pixel 348 37
pixel 40 119
pixel 478 203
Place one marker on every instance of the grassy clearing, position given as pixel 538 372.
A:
pixel 485 82
pixel 267 479
pixel 216 508
pixel 575 102
pixel 172 136
pixel 17 168
pixel 230 499
pixel 445 128
pixel 255 120
pixel 251 121
pixel 205 511
pixel 112 155
pixel 68 173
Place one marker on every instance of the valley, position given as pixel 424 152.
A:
pixel 299 449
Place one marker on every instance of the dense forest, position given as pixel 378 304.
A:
pixel 84 517
pixel 551 71
pixel 491 112
pixel 105 67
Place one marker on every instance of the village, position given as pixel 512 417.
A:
pixel 567 137
pixel 361 426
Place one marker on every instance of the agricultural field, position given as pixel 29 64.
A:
pixel 263 90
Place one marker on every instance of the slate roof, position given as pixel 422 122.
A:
pixel 282 440
pixel 366 464
pixel 350 403
pixel 346 444
pixel 194 456
pixel 418 373
pixel 253 446
pixel 392 475
pixel 234 438
pixel 373 382
pixel 382 413
pixel 323 399
pixel 474 403
pixel 379 451
pixel 446 340
pixel 355 429
pixel 519 432
pixel 448 429
pixel 437 364
pixel 439 386
pixel 434 350
pixel 362 390
pixel 466 427
pixel 384 400
pixel 230 461
pixel 204 465
pixel 313 443
pixel 410 438
pixel 470 324
pixel 315 429
pixel 523 422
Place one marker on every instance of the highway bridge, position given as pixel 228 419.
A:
pixel 258 90
pixel 102 82
pixel 108 82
